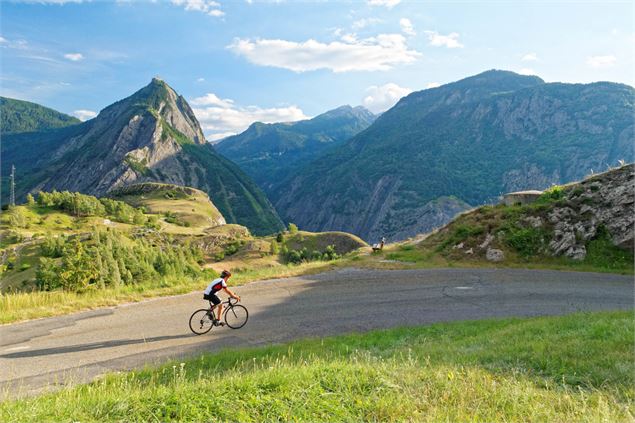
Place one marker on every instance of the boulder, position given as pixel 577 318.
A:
pixel 494 255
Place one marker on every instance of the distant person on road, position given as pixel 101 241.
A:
pixel 215 286
pixel 380 246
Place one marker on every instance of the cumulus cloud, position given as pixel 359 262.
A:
pixel 450 41
pixel 382 52
pixel 527 71
pixel 406 26
pixel 364 22
pixel 74 57
pixel 221 118
pixel 84 115
pixel 529 57
pixel 386 3
pixel 208 7
pixel 601 61
pixel 381 98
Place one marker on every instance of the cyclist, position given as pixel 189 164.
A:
pixel 210 294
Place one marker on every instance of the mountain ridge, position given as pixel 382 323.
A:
pixel 473 142
pixel 268 152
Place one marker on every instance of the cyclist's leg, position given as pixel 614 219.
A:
pixel 217 304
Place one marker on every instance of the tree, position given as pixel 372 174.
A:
pixel 30 201
pixel 274 248
pixel 293 228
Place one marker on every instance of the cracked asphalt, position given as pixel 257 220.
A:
pixel 47 354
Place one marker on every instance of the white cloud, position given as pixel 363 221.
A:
pixel 208 7
pixel 382 52
pixel 601 61
pixel 406 26
pixel 3 40
pixel 210 99
pixel 74 57
pixel 200 80
pixel 527 71
pixel 381 98
pixel 364 22
pixel 450 41
pixel 432 85
pixel 386 3
pixel 529 57
pixel 84 114
pixel 221 118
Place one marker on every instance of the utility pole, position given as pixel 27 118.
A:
pixel 12 199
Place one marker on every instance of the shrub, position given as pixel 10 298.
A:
pixel 526 241
pixel 293 228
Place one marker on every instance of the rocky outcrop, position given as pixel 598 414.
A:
pixel 602 201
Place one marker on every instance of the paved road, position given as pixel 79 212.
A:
pixel 48 353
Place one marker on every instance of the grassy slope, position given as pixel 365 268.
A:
pixel 573 368
pixel 192 207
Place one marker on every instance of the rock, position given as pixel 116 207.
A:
pixel 495 255
pixel 470 251
pixel 576 252
pixel 534 221
pixel 458 246
pixel 488 240
pixel 562 242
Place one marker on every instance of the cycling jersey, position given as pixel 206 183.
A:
pixel 215 286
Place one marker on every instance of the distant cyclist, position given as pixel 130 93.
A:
pixel 210 294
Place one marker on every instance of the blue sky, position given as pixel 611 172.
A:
pixel 240 61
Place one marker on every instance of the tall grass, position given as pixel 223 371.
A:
pixel 557 369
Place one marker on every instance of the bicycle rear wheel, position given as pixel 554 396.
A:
pixel 201 321
pixel 236 316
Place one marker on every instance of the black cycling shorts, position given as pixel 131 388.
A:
pixel 212 297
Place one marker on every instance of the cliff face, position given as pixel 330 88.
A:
pixel 151 136
pixel 471 140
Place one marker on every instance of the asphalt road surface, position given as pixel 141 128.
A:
pixel 49 353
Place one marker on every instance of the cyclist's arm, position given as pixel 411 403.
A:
pixel 231 294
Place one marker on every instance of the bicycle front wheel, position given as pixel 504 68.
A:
pixel 236 316
pixel 201 321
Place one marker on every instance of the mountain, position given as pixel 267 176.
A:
pixel 269 152
pixel 23 116
pixel 151 136
pixel 466 142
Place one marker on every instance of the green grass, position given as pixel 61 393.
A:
pixel 558 369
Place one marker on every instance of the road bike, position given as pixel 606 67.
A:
pixel 203 320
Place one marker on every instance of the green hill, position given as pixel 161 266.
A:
pixel 469 141
pixel 270 152
pixel 24 116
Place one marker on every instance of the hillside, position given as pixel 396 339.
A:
pixel 588 223
pixel 468 142
pixel 24 116
pixel 270 152
pixel 184 206
pixel 151 136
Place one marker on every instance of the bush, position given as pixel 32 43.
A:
pixel 17 218
pixel 280 237
pixel 274 248
pixel 293 228
pixel 526 241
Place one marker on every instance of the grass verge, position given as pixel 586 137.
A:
pixel 573 368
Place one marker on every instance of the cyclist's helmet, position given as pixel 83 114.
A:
pixel 225 274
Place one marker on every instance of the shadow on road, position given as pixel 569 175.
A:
pixel 92 346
